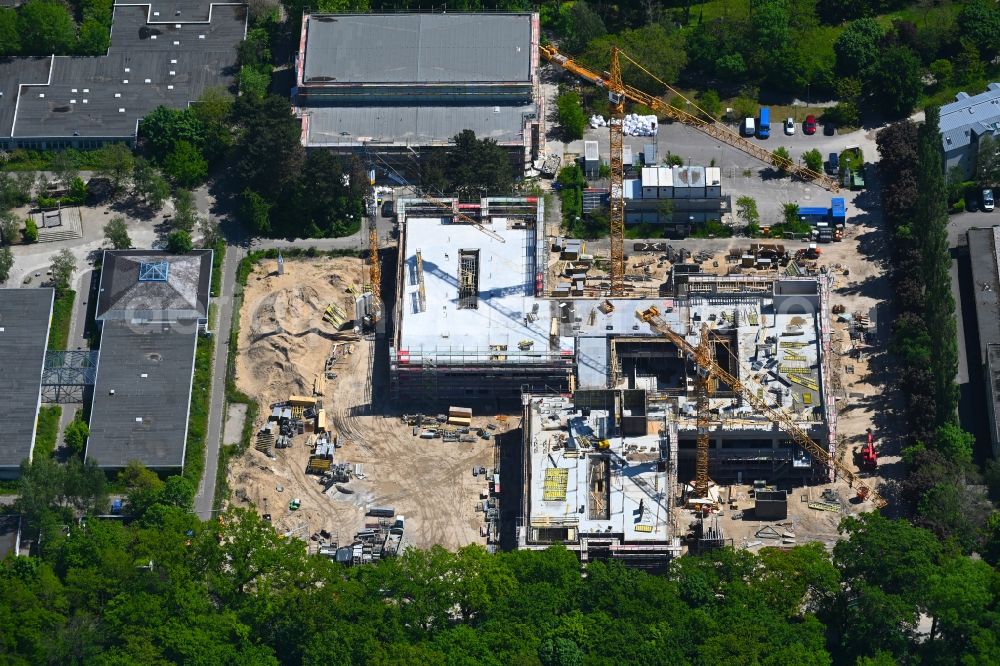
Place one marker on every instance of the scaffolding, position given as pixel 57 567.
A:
pixel 468 279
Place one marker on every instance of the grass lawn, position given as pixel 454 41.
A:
pixel 47 430
pixel 62 312
pixel 218 256
pixel 194 459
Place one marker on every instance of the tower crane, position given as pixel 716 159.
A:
pixel 702 357
pixel 618 92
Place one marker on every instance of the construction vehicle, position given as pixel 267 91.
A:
pixel 706 363
pixel 618 92
pixel 869 457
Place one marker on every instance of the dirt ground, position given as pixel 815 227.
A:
pixel 428 481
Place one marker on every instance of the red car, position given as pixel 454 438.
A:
pixel 809 126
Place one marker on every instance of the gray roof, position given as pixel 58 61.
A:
pixel 149 367
pixel 79 99
pixel 183 294
pixel 970 116
pixel 984 258
pixel 13 72
pixel 413 125
pixel 24 335
pixel 418 48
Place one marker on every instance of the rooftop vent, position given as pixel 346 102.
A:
pixel 154 272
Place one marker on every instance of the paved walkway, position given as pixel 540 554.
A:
pixel 204 499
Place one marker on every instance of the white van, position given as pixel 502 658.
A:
pixel 749 127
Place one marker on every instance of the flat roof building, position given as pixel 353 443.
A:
pixel 400 82
pixel 159 55
pixel 25 316
pixel 984 363
pixel 151 306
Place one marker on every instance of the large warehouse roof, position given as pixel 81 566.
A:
pixel 142 395
pixel 418 48
pixel 24 336
pixel 153 60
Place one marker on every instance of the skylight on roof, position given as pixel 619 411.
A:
pixel 154 272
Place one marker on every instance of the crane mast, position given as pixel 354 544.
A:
pixel 703 358
pixel 703 395
pixel 617 199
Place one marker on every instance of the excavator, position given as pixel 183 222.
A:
pixel 708 367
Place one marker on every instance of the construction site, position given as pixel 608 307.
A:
pixel 638 405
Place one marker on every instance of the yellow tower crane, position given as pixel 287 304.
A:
pixel 618 92
pixel 702 356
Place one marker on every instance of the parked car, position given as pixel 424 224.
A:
pixel 809 126
pixel 833 164
pixel 749 127
pixel 829 129
pixel 987 200
pixel 790 126
pixel 387 208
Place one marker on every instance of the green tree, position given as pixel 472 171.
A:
pixel 943 71
pixel 746 211
pixel 256 211
pixel 474 166
pixel 186 165
pixel 979 21
pixel 857 47
pixel 149 185
pixel 255 81
pixel 142 487
pixel 930 229
pixel 895 84
pixel 710 103
pixel 813 159
pixel 30 231
pixel 988 161
pixel 75 436
pixel 185 212
pixel 269 155
pixel 10 37
pixel 162 129
pixel 63 165
pixel 63 267
pixel 211 235
pixel 6 263
pixel 579 26
pixel 571 117
pixel 115 162
pixel 213 109
pixel 10 228
pixel 179 241
pixel 46 28
pixel 782 153
pixel 116 233
pixel 94 38
pixel 662 49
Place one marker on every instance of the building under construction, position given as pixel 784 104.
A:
pixel 473 321
pixel 600 477
pixel 468 319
